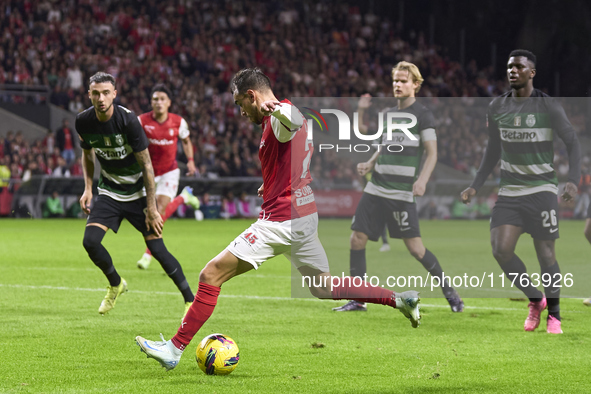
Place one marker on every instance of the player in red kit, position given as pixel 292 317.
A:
pixel 163 130
pixel 287 225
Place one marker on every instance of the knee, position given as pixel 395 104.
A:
pixel 546 258
pixel 208 273
pixel 501 254
pixel 417 253
pixel 156 247
pixel 358 240
pixel 89 242
pixel 321 291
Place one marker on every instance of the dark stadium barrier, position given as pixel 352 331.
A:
pixel 29 196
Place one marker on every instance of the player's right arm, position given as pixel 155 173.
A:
pixel 367 166
pixel 492 155
pixel 87 173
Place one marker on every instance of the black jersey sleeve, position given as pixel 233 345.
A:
pixel 78 126
pixel 567 133
pixel 136 137
pixel 492 154
pixel 426 120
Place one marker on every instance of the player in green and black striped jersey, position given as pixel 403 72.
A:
pixel 126 186
pixel 389 197
pixel 521 127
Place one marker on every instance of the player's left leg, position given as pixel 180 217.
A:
pixel 429 261
pixel 550 275
pixel 323 286
pixel 308 256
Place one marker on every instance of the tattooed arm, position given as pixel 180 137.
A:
pixel 153 218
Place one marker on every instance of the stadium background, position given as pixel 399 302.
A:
pixel 48 50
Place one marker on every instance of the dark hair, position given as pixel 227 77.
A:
pixel 250 78
pixel 525 53
pixel 160 87
pixel 101 77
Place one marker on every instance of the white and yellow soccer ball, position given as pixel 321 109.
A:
pixel 217 354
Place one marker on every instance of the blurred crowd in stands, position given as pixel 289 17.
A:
pixel 322 49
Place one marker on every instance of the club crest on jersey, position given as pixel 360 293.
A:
pixel 107 141
pixel 517 121
pixel 119 139
pixel 262 144
pixel 171 131
pixel 530 120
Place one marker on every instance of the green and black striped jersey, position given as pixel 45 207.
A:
pixel 395 172
pixel 523 131
pixel 114 143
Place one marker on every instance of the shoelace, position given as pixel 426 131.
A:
pixel 162 337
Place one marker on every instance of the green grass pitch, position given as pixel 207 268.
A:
pixel 54 341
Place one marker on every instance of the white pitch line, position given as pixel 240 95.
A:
pixel 250 297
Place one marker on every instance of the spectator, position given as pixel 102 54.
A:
pixel 229 208
pixel 53 207
pixel 481 210
pixel 32 170
pixel 49 141
pixel 8 143
pixel 459 210
pixel 4 172
pixel 429 211
pixel 210 209
pixel 65 140
pixel 245 208
pixel 61 169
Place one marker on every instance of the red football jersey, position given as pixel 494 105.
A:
pixel 286 174
pixel 163 139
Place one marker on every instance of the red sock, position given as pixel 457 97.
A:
pixel 362 293
pixel 200 311
pixel 172 206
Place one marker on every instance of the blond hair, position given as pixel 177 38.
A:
pixel 412 70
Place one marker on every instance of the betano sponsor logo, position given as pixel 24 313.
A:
pixel 509 135
pixel 394 121
pixel 160 142
pixel 116 153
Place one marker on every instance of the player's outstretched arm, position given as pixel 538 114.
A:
pixel 285 119
pixel 88 173
pixel 364 103
pixel 153 218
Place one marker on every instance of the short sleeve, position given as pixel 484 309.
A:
pixel 83 144
pixel 183 129
pixel 135 133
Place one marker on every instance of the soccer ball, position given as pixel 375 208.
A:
pixel 217 354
